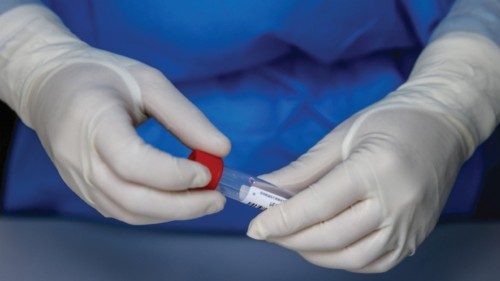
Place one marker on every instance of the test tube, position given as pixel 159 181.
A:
pixel 239 186
pixel 250 190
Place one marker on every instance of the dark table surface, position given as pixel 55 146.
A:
pixel 55 249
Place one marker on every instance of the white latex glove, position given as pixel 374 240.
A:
pixel 84 103
pixel 373 189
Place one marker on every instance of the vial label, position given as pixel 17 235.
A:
pixel 259 198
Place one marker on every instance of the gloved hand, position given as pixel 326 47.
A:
pixel 84 103
pixel 373 189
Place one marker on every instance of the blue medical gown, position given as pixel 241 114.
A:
pixel 274 76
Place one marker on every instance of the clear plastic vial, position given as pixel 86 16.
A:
pixel 250 190
pixel 239 186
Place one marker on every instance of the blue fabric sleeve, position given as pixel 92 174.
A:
pixel 6 5
pixel 477 16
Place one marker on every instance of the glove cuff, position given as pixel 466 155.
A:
pixel 34 45
pixel 457 76
pixel 26 37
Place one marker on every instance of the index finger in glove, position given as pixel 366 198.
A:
pixel 174 111
pixel 135 161
pixel 312 165
pixel 320 202
pixel 339 232
pixel 136 204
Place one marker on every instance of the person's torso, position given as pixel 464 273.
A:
pixel 274 76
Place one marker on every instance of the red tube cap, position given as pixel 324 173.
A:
pixel 214 164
